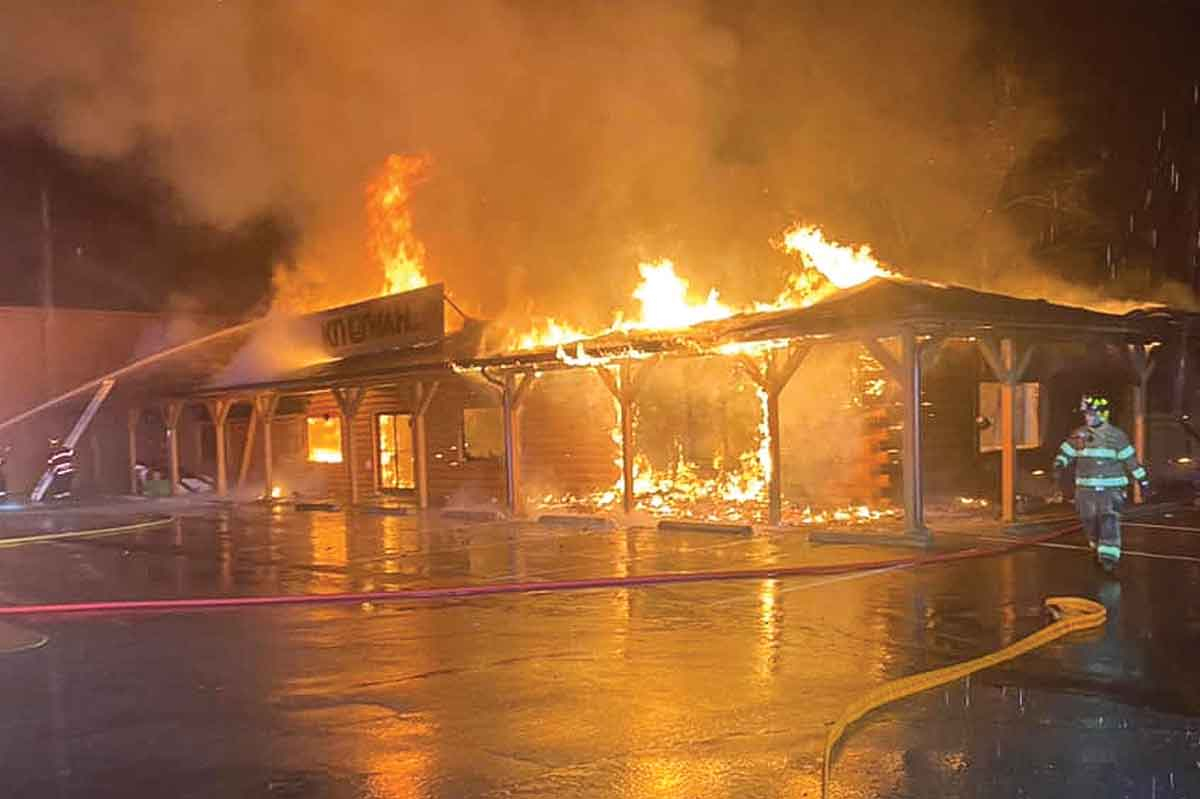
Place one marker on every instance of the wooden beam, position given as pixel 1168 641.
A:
pixel 772 376
pixel 510 399
pixel 522 388
pixel 625 386
pixel 248 447
pixel 1005 371
pixel 218 410
pixel 932 351
pixel 912 468
pixel 1008 371
pixel 780 375
pixel 1143 368
pixel 888 361
pixel 625 397
pixel 265 405
pixel 132 421
pixel 172 410
pixel 1141 361
pixel 424 398
pixel 991 355
pixel 349 400
pixel 610 381
pixel 1026 358
pixel 512 393
pixel 425 394
pixel 1008 433
pixel 755 372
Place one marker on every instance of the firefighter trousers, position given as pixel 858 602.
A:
pixel 1100 511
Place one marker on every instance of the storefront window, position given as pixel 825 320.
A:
pixel 324 439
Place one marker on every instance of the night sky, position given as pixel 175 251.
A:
pixel 187 155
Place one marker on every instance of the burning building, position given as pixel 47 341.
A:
pixel 849 397
pixel 856 406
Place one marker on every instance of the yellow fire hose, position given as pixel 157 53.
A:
pixel 1071 614
pixel 95 532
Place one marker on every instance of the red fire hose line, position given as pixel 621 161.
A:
pixel 491 589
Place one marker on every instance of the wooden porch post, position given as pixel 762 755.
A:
pixel 907 372
pixel 134 417
pixel 218 409
pixel 349 400
pixel 1004 364
pixel 172 410
pixel 425 394
pixel 248 446
pixel 772 377
pixel 1143 368
pixel 624 386
pixel 265 405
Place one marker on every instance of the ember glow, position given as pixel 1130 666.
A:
pixel 392 242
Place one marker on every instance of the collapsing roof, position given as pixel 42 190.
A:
pixel 881 307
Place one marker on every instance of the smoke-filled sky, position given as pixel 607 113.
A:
pixel 568 140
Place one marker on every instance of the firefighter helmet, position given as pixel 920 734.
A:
pixel 1096 404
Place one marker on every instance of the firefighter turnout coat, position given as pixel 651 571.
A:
pixel 1102 456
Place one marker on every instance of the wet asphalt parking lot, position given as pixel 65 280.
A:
pixel 709 689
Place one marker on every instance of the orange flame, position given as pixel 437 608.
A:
pixel 663 296
pixel 665 303
pixel 735 488
pixel 324 455
pixel 550 332
pixel 392 241
pixel 841 265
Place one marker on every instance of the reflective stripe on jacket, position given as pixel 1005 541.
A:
pixel 1103 455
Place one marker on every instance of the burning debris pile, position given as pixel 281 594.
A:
pixel 703 447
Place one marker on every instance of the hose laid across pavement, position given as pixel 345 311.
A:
pixel 95 532
pixel 1071 615
pixel 492 589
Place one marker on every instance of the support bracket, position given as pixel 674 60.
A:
pixel 1141 360
pixel 218 410
pixel 990 349
pixel 349 400
pixel 425 394
pixel 888 361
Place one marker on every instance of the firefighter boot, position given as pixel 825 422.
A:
pixel 1108 549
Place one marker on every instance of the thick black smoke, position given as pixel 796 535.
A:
pixel 568 140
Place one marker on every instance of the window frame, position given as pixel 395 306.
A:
pixel 308 448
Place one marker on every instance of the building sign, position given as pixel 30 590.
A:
pixel 397 320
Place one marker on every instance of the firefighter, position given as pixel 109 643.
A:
pixel 1103 454
pixel 61 465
